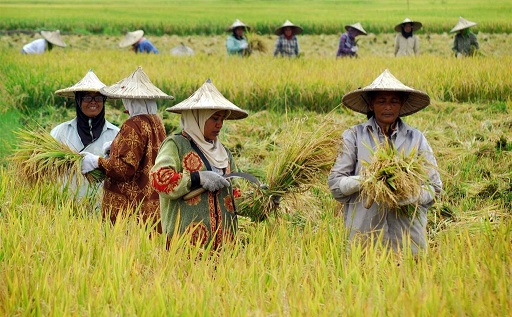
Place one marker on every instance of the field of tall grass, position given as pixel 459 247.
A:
pixel 57 257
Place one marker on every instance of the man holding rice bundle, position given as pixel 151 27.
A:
pixel 127 188
pixel 384 102
pixel 89 130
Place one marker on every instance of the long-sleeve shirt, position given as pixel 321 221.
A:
pixel 345 46
pixel 236 46
pixel 35 47
pixel 127 186
pixel 286 47
pixel 358 142
pixel 465 43
pixel 145 46
pixel 67 133
pixel 210 216
pixel 406 46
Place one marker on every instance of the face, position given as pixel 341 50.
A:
pixel 407 27
pixel 213 125
pixel 288 31
pixel 92 108
pixel 386 105
pixel 239 31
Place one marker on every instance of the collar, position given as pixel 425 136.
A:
pixel 401 128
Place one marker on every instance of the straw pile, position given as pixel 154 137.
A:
pixel 39 157
pixel 393 176
pixel 301 159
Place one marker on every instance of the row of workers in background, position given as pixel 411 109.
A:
pixel 406 42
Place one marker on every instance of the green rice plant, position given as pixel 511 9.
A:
pixel 40 157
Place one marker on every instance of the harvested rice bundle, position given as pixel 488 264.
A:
pixel 295 166
pixel 392 176
pixel 40 157
pixel 257 44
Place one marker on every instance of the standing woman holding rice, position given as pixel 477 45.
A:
pixel 384 102
pixel 127 187
pixel 89 130
pixel 196 158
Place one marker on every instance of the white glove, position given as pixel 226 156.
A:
pixel 212 181
pixel 349 185
pixel 459 55
pixel 244 45
pixel 426 196
pixel 90 162
pixel 106 148
pixel 354 48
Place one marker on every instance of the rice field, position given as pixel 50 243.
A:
pixel 58 258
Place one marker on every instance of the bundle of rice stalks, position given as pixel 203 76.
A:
pixel 258 45
pixel 393 176
pixel 297 164
pixel 39 157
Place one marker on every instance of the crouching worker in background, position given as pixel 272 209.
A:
pixel 195 158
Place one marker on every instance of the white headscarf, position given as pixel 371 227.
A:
pixel 192 122
pixel 137 107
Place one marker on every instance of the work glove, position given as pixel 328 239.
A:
pixel 349 185
pixel 459 55
pixel 244 45
pixel 426 196
pixel 106 148
pixel 212 181
pixel 89 162
pixel 354 49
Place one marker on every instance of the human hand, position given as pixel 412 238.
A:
pixel 354 49
pixel 89 162
pixel 350 184
pixel 244 45
pixel 426 196
pixel 459 55
pixel 106 148
pixel 212 181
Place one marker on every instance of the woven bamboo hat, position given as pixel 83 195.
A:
pixel 415 25
pixel 182 50
pixel 208 97
pixel 462 24
pixel 359 99
pixel 296 29
pixel 131 38
pixel 54 38
pixel 237 24
pixel 90 82
pixel 135 86
pixel 356 26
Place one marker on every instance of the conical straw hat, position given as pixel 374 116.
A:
pixel 356 26
pixel 131 38
pixel 359 99
pixel 208 97
pixel 462 24
pixel 236 24
pixel 54 38
pixel 296 29
pixel 182 50
pixel 90 82
pixel 415 25
pixel 135 86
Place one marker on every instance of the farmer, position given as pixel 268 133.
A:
pixel 287 44
pixel 348 45
pixel 406 42
pixel 465 42
pixel 89 130
pixel 40 46
pixel 195 158
pixel 127 188
pixel 236 43
pixel 384 102
pixel 138 42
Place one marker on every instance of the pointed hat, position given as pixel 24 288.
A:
pixel 296 29
pixel 54 38
pixel 462 24
pixel 90 82
pixel 131 38
pixel 208 97
pixel 415 25
pixel 356 26
pixel 237 24
pixel 359 99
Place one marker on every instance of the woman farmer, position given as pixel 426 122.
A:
pixel 384 102
pixel 236 43
pixel 465 42
pixel 196 158
pixel 40 46
pixel 127 186
pixel 287 44
pixel 138 42
pixel 406 42
pixel 88 130
pixel 348 45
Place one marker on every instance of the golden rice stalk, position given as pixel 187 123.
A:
pixel 301 159
pixel 257 44
pixel 40 157
pixel 392 176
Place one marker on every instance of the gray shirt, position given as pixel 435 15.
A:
pixel 357 143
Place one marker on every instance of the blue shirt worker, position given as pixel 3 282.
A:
pixel 138 42
pixel 237 43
